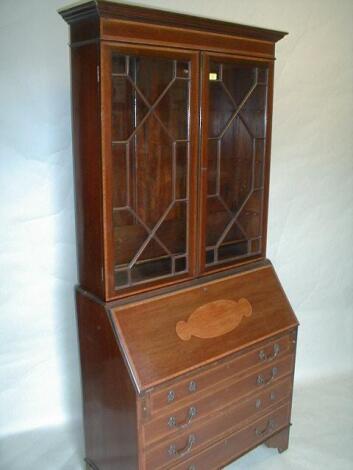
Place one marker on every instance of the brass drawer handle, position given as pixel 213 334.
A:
pixel 172 420
pixel 192 386
pixel 270 427
pixel 171 396
pixel 264 357
pixel 261 380
pixel 173 452
pixel 258 401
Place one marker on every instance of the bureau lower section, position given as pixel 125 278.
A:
pixel 218 419
pixel 236 444
pixel 200 419
pixel 265 422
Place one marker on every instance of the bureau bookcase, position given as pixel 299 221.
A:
pixel 187 339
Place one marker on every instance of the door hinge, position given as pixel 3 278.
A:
pixel 98 74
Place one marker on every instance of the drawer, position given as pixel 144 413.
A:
pixel 220 396
pixel 236 444
pixel 166 397
pixel 224 422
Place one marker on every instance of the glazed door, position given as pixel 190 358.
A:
pixel 150 99
pixel 234 175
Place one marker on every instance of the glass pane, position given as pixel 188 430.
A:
pixel 150 161
pixel 128 108
pixel 218 217
pixel 149 270
pixel 181 164
pixel 173 110
pixel 172 231
pixel 182 69
pixel 212 166
pixel 151 75
pixel 180 264
pixel 122 277
pixel 221 108
pixel 235 158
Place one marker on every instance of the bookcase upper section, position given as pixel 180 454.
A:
pixel 171 137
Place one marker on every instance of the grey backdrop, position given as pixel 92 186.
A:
pixel 311 201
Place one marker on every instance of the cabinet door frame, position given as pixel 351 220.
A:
pixel 206 58
pixel 106 49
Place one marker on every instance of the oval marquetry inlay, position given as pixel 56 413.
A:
pixel 214 319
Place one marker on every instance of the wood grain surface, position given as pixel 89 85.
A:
pixel 155 353
pixel 214 319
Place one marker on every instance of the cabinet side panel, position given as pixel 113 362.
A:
pixel 86 149
pixel 108 396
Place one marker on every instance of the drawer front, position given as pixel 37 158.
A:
pixel 187 442
pixel 164 398
pixel 220 396
pixel 234 445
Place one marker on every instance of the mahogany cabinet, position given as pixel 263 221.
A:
pixel 187 339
